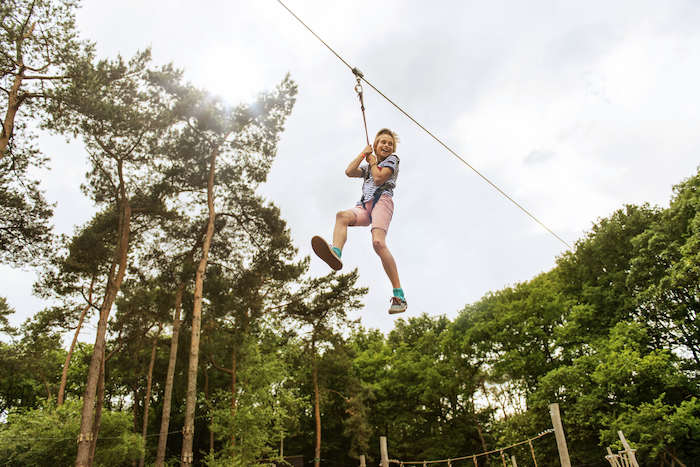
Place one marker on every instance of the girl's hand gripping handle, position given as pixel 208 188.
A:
pixel 367 152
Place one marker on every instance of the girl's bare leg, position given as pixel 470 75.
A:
pixel 340 233
pixel 379 244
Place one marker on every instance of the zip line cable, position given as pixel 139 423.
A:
pixel 359 75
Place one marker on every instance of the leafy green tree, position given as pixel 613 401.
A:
pixel 369 367
pixel 266 406
pixel 45 436
pixel 39 50
pixel 427 391
pixel 25 227
pixel 72 275
pixel 665 273
pixel 39 47
pixel 514 330
pixel 5 311
pixel 345 405
pixel 622 374
pixel 323 316
pixel 142 310
pixel 220 148
pixel 31 366
pixel 595 276
pixel 666 432
pixel 179 285
pixel 245 232
pixel 121 115
pixel 251 272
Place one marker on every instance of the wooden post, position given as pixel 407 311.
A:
pixel 559 435
pixel 532 451
pixel 612 458
pixel 628 450
pixel 362 461
pixel 384 452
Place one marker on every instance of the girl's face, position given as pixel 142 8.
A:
pixel 384 146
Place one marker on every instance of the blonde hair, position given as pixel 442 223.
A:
pixel 386 131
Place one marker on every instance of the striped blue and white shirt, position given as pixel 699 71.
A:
pixel 369 187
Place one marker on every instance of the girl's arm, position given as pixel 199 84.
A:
pixel 353 169
pixel 379 174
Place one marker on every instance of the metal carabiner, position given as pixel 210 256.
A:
pixel 358 87
pixel 358 74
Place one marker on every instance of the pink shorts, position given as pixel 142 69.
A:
pixel 381 214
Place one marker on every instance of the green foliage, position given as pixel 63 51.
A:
pixel 33 361
pixel 266 407
pixel 41 37
pixel 656 427
pixel 25 215
pixel 513 331
pixel 595 274
pixel 5 311
pixel 665 273
pixel 39 47
pixel 622 375
pixel 46 436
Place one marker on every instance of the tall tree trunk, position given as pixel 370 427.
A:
pixel 188 430
pixel 98 411
pixel 47 386
pixel 317 407
pixel 498 394
pixel 113 284
pixel 66 364
pixel 13 102
pixel 478 427
pixel 169 378
pixel 135 408
pixel 100 404
pixel 147 399
pixel 206 397
pixel 234 400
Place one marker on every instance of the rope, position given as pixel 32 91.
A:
pixel 358 90
pixel 483 177
pixel 486 453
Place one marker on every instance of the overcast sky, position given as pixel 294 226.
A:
pixel 572 108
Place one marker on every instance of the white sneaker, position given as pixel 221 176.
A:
pixel 398 305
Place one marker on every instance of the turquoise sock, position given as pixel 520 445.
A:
pixel 337 251
pixel 399 293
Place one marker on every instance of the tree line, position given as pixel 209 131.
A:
pixel 213 345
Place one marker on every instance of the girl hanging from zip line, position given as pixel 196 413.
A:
pixel 375 208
